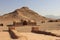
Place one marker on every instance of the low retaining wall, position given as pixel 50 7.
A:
pixel 13 34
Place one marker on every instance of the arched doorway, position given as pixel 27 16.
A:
pixel 24 22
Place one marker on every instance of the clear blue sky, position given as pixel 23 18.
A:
pixel 43 7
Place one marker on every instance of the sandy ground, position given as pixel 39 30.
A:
pixel 27 36
pixel 57 32
pixel 4 36
pixel 51 27
pixel 33 36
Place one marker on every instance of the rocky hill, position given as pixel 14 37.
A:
pixel 22 13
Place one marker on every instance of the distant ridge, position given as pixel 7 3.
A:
pixel 52 16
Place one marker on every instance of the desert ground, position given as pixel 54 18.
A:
pixel 24 33
pixel 4 36
pixel 27 36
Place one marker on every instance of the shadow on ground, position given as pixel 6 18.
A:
pixel 45 33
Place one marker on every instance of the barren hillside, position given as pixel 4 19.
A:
pixel 22 13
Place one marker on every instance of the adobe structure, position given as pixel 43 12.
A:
pixel 23 23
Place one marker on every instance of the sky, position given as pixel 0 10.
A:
pixel 43 7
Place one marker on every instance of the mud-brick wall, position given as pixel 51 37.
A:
pixel 3 29
pixel 23 29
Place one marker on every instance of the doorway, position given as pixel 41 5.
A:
pixel 24 23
